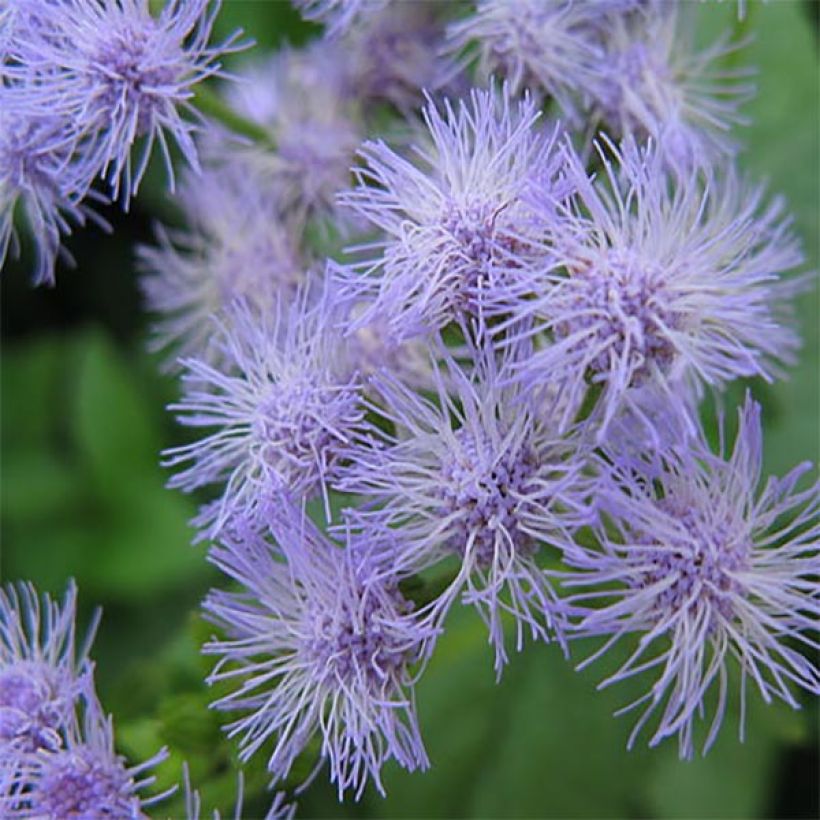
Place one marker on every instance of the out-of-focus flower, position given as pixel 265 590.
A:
pixel 321 641
pixel 281 406
pixel 666 278
pixel 235 246
pixel 339 15
pixel 551 49
pixel 652 83
pixel 460 238
pixel 303 97
pixel 478 476
pixel 42 671
pixel 703 567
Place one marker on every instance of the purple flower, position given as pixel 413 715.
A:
pixel 235 246
pixel 115 73
pixel 396 53
pixel 42 671
pixel 652 83
pixel 86 778
pixel 321 641
pixel 551 49
pixel 666 278
pixel 281 408
pixel 478 476
pixel 459 235
pixel 703 567
pixel 38 176
pixel 304 98
pixel 338 15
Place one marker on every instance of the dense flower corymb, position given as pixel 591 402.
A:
pixel 322 641
pixel 703 567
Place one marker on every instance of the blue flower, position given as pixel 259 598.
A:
pixel 703 567
pixel 320 640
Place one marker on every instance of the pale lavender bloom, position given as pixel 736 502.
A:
pixel 396 53
pixel 551 49
pixel 704 568
pixel 303 97
pixel 234 246
pixel 665 278
pixel 280 407
pixel 86 778
pixel 653 83
pixel 339 15
pixel 320 640
pixel 42 670
pixel 475 475
pixel 460 237
pixel 39 178
pixel 115 73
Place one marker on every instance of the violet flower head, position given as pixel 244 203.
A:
pixel 86 778
pixel 459 236
pixel 551 49
pixel 652 83
pixel 304 98
pixel 474 476
pixel 280 408
pixel 703 566
pixel 117 73
pixel 320 640
pixel 40 179
pixel 235 246
pixel 338 15
pixel 396 53
pixel 665 278
pixel 42 670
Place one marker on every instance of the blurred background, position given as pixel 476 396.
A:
pixel 82 496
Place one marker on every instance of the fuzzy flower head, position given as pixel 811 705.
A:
pixel 40 180
pixel 339 15
pixel 235 246
pixel 654 84
pixel 86 778
pixel 280 407
pixel 396 53
pixel 666 278
pixel 322 641
pixel 550 49
pixel 117 73
pixel 303 98
pixel 458 234
pixel 477 477
pixel 704 567
pixel 42 671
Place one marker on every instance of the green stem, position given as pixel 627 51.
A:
pixel 212 105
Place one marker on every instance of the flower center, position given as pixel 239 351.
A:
pixel 623 309
pixel 700 565
pixel 30 712
pixel 75 784
pixel 354 642
pixel 301 426
pixel 481 491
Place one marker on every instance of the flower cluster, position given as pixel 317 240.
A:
pixel 488 397
pixel 57 756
